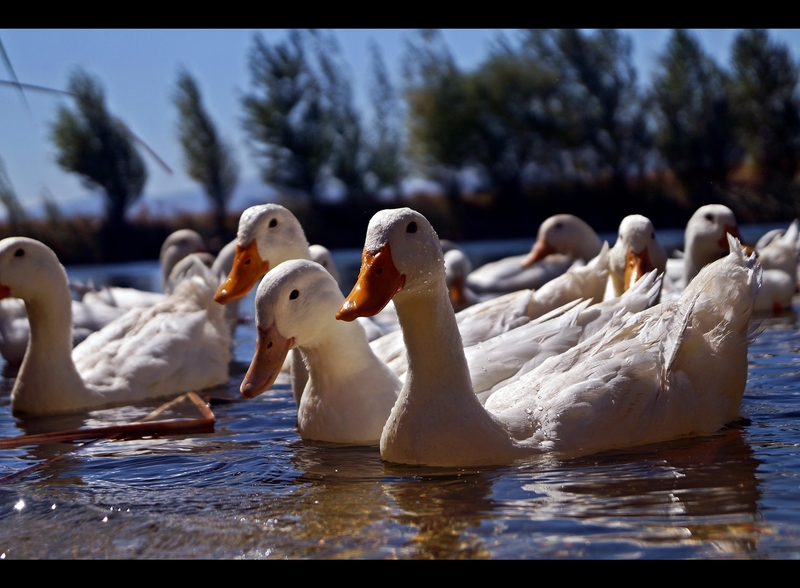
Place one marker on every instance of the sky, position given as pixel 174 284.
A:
pixel 138 69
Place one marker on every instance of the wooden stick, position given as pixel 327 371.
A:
pixel 139 429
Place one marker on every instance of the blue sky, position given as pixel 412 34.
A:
pixel 138 69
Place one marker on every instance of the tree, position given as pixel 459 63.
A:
pixel 342 120
pixel 518 120
pixel 696 127
pixel 300 116
pixel 283 116
pixel 765 82
pixel 208 159
pixel 497 120
pixel 99 148
pixel 441 117
pixel 597 80
pixel 385 145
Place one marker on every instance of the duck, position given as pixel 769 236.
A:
pixel 323 256
pixel 779 258
pixel 674 370
pixel 457 267
pixel 561 240
pixel 177 345
pixel 218 268
pixel 705 240
pixel 349 392
pixel 636 252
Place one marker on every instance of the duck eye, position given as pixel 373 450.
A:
pixel 709 218
pixel 653 235
pixel 412 227
pixel 294 294
pixel 19 253
pixel 273 222
pixel 559 225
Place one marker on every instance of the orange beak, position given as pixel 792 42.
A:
pixel 378 281
pixel 636 265
pixel 457 292
pixel 540 250
pixel 733 231
pixel 271 351
pixel 248 268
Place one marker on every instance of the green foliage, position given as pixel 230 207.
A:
pixel 385 144
pixel 99 147
pixel 207 158
pixel 765 98
pixel 300 116
pixel 696 134
pixel 597 85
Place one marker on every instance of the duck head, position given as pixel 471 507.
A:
pixel 295 303
pixel 565 234
pixel 637 251
pixel 268 235
pixel 402 254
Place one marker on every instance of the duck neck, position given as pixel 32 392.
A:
pixel 436 361
pixel 50 317
pixel 350 393
pixel 343 350
pixel 48 381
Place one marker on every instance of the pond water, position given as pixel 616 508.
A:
pixel 254 489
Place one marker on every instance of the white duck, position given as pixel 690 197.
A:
pixel 779 259
pixel 705 240
pixel 674 370
pixel 561 240
pixel 179 344
pixel 484 320
pixel 349 392
pixel 457 267
pixel 636 252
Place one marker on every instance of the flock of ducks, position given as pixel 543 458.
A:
pixel 574 348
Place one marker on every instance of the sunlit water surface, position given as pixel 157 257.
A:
pixel 254 489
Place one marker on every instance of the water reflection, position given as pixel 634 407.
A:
pixel 254 489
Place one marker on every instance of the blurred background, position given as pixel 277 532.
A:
pixel 110 140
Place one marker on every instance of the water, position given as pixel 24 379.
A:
pixel 253 489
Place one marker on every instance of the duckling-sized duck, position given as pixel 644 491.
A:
pixel 180 344
pixel 674 370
